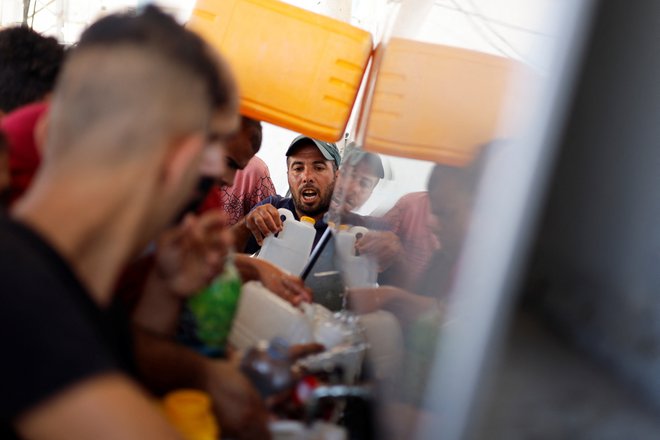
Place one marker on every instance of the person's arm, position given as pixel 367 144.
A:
pixel 406 306
pixel 107 406
pixel 165 365
pixel 286 286
pixel 187 258
pixel 158 308
pixel 240 234
pixel 261 221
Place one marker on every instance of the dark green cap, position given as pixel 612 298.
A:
pixel 355 156
pixel 327 149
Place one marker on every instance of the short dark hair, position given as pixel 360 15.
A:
pixel 29 65
pixel 142 79
pixel 254 130
pixel 152 27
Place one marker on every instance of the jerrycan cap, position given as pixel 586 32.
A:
pixel 309 220
pixel 187 403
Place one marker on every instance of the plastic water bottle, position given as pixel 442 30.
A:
pixel 290 249
pixel 214 308
pixel 268 366
pixel 189 411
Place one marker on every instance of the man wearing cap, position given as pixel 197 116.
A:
pixel 360 173
pixel 356 182
pixel 312 173
pixel 312 168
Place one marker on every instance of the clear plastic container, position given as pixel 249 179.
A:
pixel 290 249
pixel 268 367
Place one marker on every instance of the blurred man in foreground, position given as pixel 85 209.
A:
pixel 118 165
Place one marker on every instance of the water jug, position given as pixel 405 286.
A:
pixel 290 249
pixel 357 270
pixel 263 315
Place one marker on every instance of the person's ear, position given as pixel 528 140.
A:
pixel 182 159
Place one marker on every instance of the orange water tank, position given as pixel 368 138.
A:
pixel 296 69
pixel 435 102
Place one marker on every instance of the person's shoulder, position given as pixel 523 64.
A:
pixel 31 268
pixel 257 164
pixel 413 197
pixel 276 200
pixel 54 317
pixel 16 242
pixel 255 168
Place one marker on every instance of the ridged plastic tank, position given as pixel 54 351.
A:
pixel 295 68
pixel 436 102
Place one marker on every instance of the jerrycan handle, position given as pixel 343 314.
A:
pixel 348 237
pixel 358 231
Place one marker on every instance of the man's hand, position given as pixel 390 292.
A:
pixel 191 254
pixel 262 221
pixel 384 246
pixel 240 410
pixel 288 287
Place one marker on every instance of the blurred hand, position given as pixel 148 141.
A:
pixel 192 253
pixel 384 246
pixel 288 287
pixel 240 411
pixel 299 351
pixel 263 220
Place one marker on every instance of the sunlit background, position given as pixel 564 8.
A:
pixel 517 29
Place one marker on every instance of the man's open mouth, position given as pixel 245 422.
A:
pixel 309 195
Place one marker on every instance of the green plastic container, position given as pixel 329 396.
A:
pixel 215 306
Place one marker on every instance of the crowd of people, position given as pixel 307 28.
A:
pixel 127 176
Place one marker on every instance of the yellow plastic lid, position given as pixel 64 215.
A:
pixel 295 68
pixel 310 220
pixel 189 411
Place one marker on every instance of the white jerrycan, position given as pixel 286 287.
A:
pixel 292 246
pixel 357 270
pixel 262 315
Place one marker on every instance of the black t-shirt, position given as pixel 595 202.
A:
pixel 53 334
